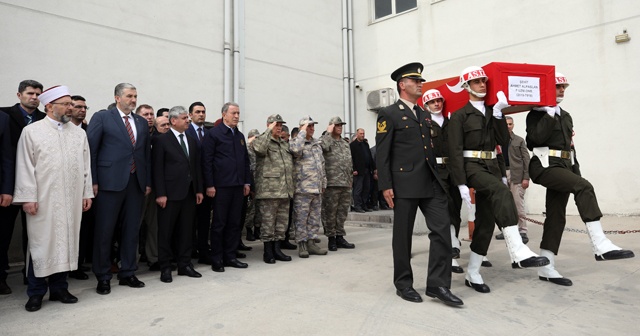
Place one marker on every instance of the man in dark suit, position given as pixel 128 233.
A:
pixel 407 176
pixel 177 181
pixel 363 168
pixel 20 115
pixel 7 181
pixel 227 177
pixel 120 167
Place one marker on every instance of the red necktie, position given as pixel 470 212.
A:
pixel 133 140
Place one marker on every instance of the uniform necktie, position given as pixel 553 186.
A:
pixel 184 146
pixel 416 111
pixel 200 134
pixel 127 125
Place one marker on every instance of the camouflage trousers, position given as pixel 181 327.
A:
pixel 273 216
pixel 335 207
pixel 251 220
pixel 306 216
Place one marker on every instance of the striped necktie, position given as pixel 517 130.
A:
pixel 133 140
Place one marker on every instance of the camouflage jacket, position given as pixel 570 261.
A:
pixel 252 158
pixel 337 161
pixel 274 167
pixel 308 165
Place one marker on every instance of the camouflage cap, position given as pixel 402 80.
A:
pixel 252 133
pixel 275 118
pixel 307 120
pixel 336 121
pixel 285 129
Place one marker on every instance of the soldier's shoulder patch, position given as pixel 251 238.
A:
pixel 242 142
pixel 382 126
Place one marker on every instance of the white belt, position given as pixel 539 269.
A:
pixel 487 155
pixel 442 160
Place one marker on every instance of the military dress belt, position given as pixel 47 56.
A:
pixel 475 154
pixel 442 160
pixel 560 153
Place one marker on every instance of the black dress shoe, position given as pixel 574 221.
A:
pixel 78 274
pixel 360 210
pixel 205 260
pixel 235 263
pixel 531 262
pixel 482 288
pixel 455 253
pixel 190 272
pixel 165 275
pixel 240 255
pixel 34 303
pixel 444 295
pixel 486 263
pixel 217 266
pixel 409 294
pixel 457 269
pixel 131 281
pixel 368 210
pixel 4 288
pixel 154 267
pixel 63 296
pixel 104 287
pixel 243 247
pixel 615 254
pixel 385 207
pixel 558 281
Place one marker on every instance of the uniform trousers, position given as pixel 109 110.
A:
pixel 203 225
pixel 175 228
pixel 250 219
pixel 226 228
pixel 437 217
pixel 113 207
pixel 273 214
pixel 494 206
pixel 38 286
pixel 307 209
pixel 335 208
pixel 454 201
pixel 560 182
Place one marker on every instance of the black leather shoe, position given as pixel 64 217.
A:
pixel 615 254
pixel 444 295
pixel 190 272
pixel 34 303
pixel 240 255
pixel 286 245
pixel 204 259
pixel 343 243
pixel 385 207
pixel 131 281
pixel 165 275
pixel 409 294
pixel 4 288
pixel 104 287
pixel 235 263
pixel 78 274
pixel 243 247
pixel 457 269
pixel 63 296
pixel 360 210
pixel 368 210
pixel 154 267
pixel 217 266
pixel 524 237
pixel 531 262
pixel 455 253
pixel 332 244
pixel 486 263
pixel 482 288
pixel 558 281
pixel 250 236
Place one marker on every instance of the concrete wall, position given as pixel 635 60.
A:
pixel 576 36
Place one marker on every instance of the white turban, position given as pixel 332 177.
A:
pixel 53 93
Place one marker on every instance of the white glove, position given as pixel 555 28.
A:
pixel 464 193
pixel 501 104
pixel 549 109
pixel 504 180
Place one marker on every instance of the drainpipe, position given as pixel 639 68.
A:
pixel 345 68
pixel 352 81
pixel 227 52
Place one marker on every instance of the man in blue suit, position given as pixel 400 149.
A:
pixel 121 170
pixel 227 178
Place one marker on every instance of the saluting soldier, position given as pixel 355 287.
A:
pixel 474 132
pixel 554 165
pixel 408 179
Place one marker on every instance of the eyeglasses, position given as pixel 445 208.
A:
pixel 67 104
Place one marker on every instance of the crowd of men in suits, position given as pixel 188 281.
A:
pixel 163 188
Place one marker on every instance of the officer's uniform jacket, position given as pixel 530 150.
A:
pixel 308 165
pixel 405 158
pixel 337 161
pixel 469 129
pixel 553 132
pixel 274 167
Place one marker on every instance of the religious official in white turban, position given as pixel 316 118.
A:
pixel 53 184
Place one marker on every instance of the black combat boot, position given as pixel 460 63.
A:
pixel 343 243
pixel 268 253
pixel 332 244
pixel 285 244
pixel 277 253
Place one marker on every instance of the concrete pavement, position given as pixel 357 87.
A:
pixel 350 292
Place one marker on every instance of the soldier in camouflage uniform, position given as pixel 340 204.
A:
pixel 252 225
pixel 337 197
pixel 310 180
pixel 274 187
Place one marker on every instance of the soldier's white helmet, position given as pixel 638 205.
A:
pixel 561 79
pixel 471 73
pixel 430 95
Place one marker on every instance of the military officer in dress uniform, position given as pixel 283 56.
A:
pixel 474 131
pixel 433 102
pixel 554 166
pixel 408 178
